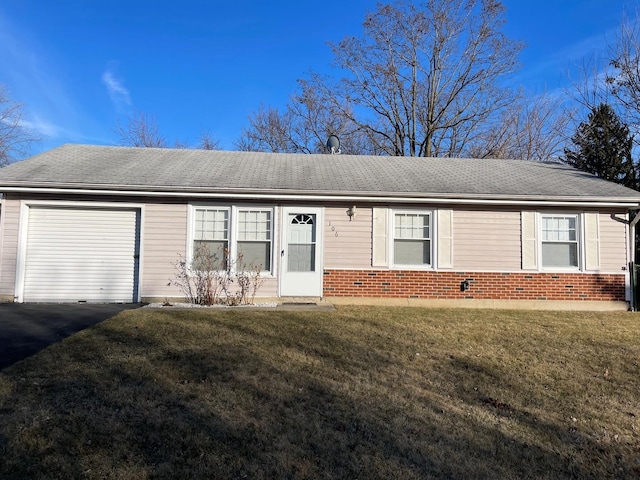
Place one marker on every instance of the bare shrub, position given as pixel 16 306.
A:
pixel 197 279
pixel 249 280
pixel 209 278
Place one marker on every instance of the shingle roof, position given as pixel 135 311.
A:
pixel 170 170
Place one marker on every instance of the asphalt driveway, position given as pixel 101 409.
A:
pixel 25 329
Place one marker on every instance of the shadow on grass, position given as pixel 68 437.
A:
pixel 237 400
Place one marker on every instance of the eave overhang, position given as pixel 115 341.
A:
pixel 246 194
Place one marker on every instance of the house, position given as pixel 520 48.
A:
pixel 106 224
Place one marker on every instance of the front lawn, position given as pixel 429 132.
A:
pixel 362 392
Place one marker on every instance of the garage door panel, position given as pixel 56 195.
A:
pixel 76 254
pixel 86 253
pixel 83 272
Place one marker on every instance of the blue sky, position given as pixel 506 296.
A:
pixel 197 65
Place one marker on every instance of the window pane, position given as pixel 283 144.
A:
pixel 412 252
pixel 209 255
pixel 558 254
pixel 411 225
pixel 301 257
pixel 559 229
pixel 211 224
pixel 254 225
pixel 254 254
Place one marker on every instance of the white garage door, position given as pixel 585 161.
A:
pixel 81 255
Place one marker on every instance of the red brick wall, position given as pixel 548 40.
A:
pixel 483 285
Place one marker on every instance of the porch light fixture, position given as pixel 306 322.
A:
pixel 351 212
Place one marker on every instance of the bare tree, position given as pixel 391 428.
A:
pixel 180 144
pixel 206 141
pixel 617 83
pixel 422 81
pixel 303 126
pixel 531 129
pixel 423 78
pixel 140 130
pixel 268 131
pixel 592 87
pixel 16 138
pixel 625 78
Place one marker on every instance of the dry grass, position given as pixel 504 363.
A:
pixel 357 393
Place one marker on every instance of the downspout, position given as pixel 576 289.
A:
pixel 2 215
pixel 632 243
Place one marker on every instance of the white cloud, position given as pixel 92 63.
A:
pixel 42 127
pixel 117 91
pixel 33 79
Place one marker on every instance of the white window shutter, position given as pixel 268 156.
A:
pixel 529 241
pixel 380 238
pixel 592 241
pixel 445 239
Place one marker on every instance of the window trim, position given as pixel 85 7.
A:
pixel 233 228
pixel 194 225
pixel 431 239
pixel 579 241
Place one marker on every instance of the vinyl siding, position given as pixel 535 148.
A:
pixel 164 238
pixel 483 240
pixel 613 239
pixel 9 247
pixel 347 244
pixel 486 240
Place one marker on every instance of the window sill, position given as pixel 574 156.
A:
pixel 413 267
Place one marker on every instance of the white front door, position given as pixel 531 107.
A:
pixel 301 255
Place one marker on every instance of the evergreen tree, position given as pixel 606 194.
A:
pixel 602 146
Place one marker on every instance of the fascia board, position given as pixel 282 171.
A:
pixel 370 197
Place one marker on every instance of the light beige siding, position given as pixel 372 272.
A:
pixel 164 238
pixel 486 240
pixel 9 224
pixel 347 244
pixel 613 238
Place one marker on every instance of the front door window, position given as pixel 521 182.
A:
pixel 302 243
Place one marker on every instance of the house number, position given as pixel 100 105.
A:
pixel 333 229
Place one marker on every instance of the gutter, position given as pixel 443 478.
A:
pixel 369 197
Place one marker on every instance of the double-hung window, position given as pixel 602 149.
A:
pixel 254 239
pixel 233 237
pixel 412 238
pixel 211 238
pixel 560 241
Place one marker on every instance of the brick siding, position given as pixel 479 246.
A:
pixel 483 285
